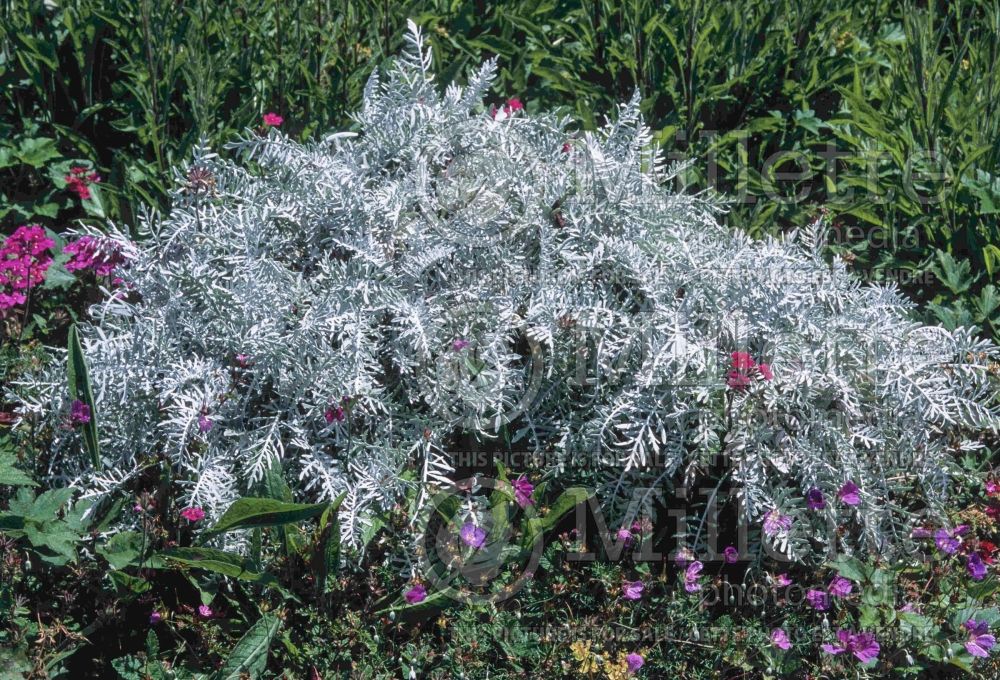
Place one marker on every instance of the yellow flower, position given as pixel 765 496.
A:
pixel 581 652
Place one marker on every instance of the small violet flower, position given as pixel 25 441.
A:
pixel 775 522
pixel 634 662
pixel 522 491
pixel 819 600
pixel 980 641
pixel 155 617
pixel 948 540
pixel 205 612
pixel 849 494
pixel 205 423
pixel 415 594
pixel 731 554
pixel 79 413
pixel 459 344
pixel 472 535
pixel 779 638
pixel 782 580
pixel 814 499
pixel 974 563
pixel 840 587
pixel 862 645
pixel 624 535
pixel 632 590
pixel 691 583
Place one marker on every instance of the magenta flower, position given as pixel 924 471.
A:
pixel 814 499
pixel 742 361
pixel 980 641
pixel 849 493
pixel 765 371
pixel 862 645
pixel 840 587
pixel 632 590
pixel 624 535
pixel 507 110
pixel 779 638
pixel 731 554
pixel 634 662
pixel 79 413
pixel 100 255
pixel 204 423
pixel 193 514
pixel 977 569
pixel 948 540
pixel 782 580
pixel 79 180
pixel 459 344
pixel 472 535
pixel 819 600
pixel 242 360
pixel 334 414
pixel 273 120
pixel 155 617
pixel 691 575
pixel 23 263
pixel 415 594
pixel 775 522
pixel 205 612
pixel 737 381
pixel 522 491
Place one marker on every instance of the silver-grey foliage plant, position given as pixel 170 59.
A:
pixel 462 274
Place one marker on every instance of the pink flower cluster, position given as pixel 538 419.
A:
pixel 23 262
pixel 79 180
pixel 273 120
pixel 744 369
pixel 99 255
pixel 507 110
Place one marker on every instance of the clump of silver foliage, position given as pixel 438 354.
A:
pixel 352 309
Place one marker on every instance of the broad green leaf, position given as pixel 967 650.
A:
pixel 251 513
pixel 10 475
pixel 79 388
pixel 249 656
pixel 568 500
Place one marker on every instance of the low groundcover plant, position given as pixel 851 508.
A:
pixel 355 308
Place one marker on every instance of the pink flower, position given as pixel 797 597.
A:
pixel 977 570
pixel 634 662
pixel 731 554
pixel 155 617
pixel 334 413
pixel 415 594
pixel 193 514
pixel 814 499
pixel 101 255
pixel 819 600
pixel 779 638
pixel 862 645
pixel 980 641
pixel 624 535
pixel 765 371
pixel 472 535
pixel 204 423
pixel 691 575
pixel 849 494
pixel 737 381
pixel 507 110
pixel 242 360
pixel 632 590
pixel 775 522
pixel 840 587
pixel 205 612
pixel 992 488
pixel 782 580
pixel 79 413
pixel 459 344
pixel 522 491
pixel 273 120
pixel 23 264
pixel 79 180
pixel 742 361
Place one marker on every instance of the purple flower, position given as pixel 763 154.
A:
pixel 948 540
pixel 779 638
pixel 731 554
pixel 980 641
pixel 522 491
pixel 459 344
pixel 634 662
pixel 840 587
pixel 691 583
pixel 814 499
pixel 782 580
pixel 79 413
pixel 205 612
pixel 101 255
pixel 977 569
pixel 624 535
pixel 684 557
pixel 155 617
pixel 204 423
pixel 632 590
pixel 818 599
pixel 472 535
pixel 862 645
pixel 849 494
pixel 775 522
pixel 242 360
pixel 921 532
pixel 334 413
pixel 415 594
